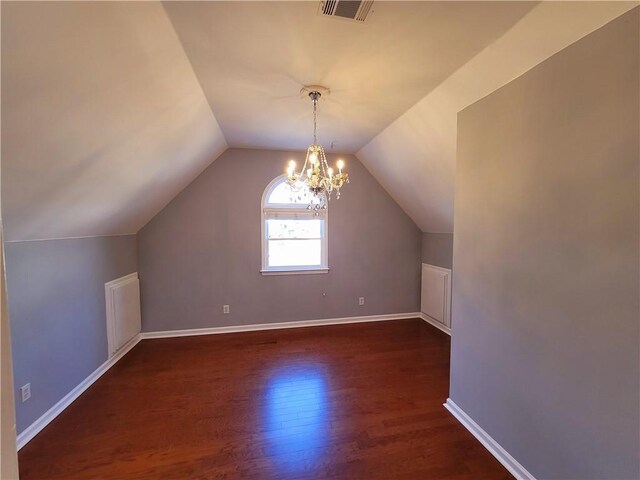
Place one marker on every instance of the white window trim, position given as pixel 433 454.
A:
pixel 291 211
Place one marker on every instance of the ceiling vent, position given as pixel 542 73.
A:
pixel 356 10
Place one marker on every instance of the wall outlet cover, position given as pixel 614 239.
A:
pixel 25 392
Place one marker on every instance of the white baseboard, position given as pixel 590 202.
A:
pixel 489 443
pixel 35 428
pixel 435 323
pixel 279 325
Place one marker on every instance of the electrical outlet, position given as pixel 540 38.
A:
pixel 225 309
pixel 360 300
pixel 25 391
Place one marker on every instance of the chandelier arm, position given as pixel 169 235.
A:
pixel 304 168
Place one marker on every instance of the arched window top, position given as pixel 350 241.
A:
pixel 280 194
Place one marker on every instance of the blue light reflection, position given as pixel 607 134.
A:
pixel 296 417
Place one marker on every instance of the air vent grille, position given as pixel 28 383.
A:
pixel 328 7
pixel 356 10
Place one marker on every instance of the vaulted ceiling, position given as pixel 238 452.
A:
pixel 414 158
pixel 110 109
pixel 252 58
pixel 103 119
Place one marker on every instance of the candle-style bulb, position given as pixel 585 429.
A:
pixel 340 165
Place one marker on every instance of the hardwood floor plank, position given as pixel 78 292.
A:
pixel 332 402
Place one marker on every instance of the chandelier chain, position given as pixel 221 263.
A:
pixel 315 122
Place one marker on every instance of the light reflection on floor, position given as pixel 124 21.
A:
pixel 296 417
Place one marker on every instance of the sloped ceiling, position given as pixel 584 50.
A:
pixel 103 119
pixel 108 108
pixel 414 158
pixel 252 58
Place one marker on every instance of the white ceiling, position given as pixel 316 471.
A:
pixel 108 108
pixel 103 119
pixel 252 58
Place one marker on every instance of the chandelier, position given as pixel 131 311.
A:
pixel 316 175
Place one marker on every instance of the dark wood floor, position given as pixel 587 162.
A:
pixel 361 401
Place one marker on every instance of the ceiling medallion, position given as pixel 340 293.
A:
pixel 316 175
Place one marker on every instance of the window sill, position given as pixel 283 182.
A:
pixel 295 272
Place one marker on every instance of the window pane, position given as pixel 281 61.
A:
pixel 284 194
pixel 289 228
pixel 294 253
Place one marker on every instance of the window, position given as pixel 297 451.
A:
pixel 293 239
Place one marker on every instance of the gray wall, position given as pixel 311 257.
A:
pixel 203 251
pixel 545 346
pixel 57 313
pixel 437 249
